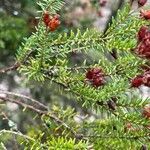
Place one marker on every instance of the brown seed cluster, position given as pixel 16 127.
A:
pixel 52 22
pixel 95 76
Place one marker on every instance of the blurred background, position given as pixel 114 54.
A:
pixel 17 21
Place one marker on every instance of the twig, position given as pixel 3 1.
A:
pixel 17 64
pixel 121 137
pixel 17 133
pixel 11 68
pixel 40 112
pixel 74 68
pixel 25 97
pixel 27 138
pixel 21 103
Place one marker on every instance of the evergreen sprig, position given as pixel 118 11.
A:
pixel 44 57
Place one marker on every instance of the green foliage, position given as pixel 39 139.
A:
pixel 11 29
pixel 124 29
pixel 51 5
pixel 45 57
pixel 63 144
pixel 112 134
pixel 54 52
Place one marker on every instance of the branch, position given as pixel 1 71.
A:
pixel 11 68
pixel 25 97
pixel 17 133
pixel 118 137
pixel 28 138
pixel 21 103
pixel 16 64
pixel 40 112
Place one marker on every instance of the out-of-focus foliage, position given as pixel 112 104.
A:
pixel 16 22
pixel 12 31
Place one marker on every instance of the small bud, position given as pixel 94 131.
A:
pixel 146 111
pixel 128 127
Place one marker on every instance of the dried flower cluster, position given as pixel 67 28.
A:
pixel 141 80
pixel 143 47
pixel 95 76
pixel 51 22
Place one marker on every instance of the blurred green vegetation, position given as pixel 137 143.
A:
pixel 16 22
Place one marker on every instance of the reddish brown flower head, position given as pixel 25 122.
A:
pixel 146 111
pixel 46 18
pixel 141 79
pixel 54 23
pixel 94 72
pixel 128 127
pixel 143 50
pixel 143 47
pixel 141 2
pixel 137 81
pixel 95 76
pixel 145 14
pixel 142 33
pixel 98 81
